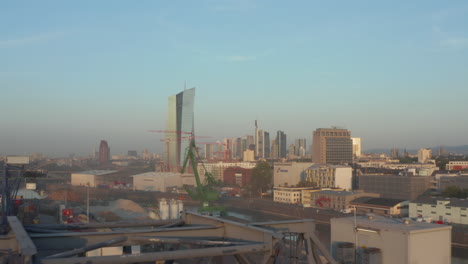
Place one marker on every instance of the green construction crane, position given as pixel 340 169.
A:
pixel 204 192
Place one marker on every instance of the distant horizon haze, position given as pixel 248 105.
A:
pixel 73 73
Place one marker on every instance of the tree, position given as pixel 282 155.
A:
pixel 261 180
pixel 456 192
pixel 306 184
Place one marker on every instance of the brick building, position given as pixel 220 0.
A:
pixel 237 176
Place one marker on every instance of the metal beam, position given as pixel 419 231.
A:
pixel 166 223
pixel 318 244
pixel 87 248
pixel 71 240
pixel 26 246
pixel 167 240
pixel 241 259
pixel 167 255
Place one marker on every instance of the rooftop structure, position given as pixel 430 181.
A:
pixel 386 240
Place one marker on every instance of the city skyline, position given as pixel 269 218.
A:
pixel 394 74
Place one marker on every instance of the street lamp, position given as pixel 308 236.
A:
pixel 355 235
pixel 87 202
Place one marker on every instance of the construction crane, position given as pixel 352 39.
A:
pixel 204 192
pixel 176 137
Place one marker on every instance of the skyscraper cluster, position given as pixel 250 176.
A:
pixel 330 145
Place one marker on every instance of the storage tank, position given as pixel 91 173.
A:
pixel 163 209
pixel 180 205
pixel 174 209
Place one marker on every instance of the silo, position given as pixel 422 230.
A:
pixel 163 209
pixel 180 205
pixel 174 210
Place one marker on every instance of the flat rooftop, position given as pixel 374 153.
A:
pixel 97 172
pixel 162 174
pixel 381 223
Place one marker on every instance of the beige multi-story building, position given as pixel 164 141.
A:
pixel 296 195
pixel 249 155
pixel 289 173
pixel 424 155
pixel 329 176
pixel 289 195
pixel 332 145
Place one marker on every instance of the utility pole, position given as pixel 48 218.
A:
pixel 87 202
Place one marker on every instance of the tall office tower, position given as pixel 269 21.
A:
pixel 394 153
pixel 263 144
pixel 281 143
pixel 257 150
pixel 356 147
pixel 291 151
pixel 266 145
pixel 219 153
pixel 208 151
pixel 179 121
pixel 300 147
pixel 229 148
pixel 424 155
pixel 332 145
pixel 104 152
pixel 274 149
pixel 441 151
pixel 240 147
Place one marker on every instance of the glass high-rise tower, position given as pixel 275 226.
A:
pixel 179 124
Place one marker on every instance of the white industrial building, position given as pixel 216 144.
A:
pixel 289 173
pixel 447 210
pixel 384 240
pixel 330 176
pixel 217 169
pixel 89 178
pixel 160 181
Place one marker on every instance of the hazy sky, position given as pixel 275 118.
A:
pixel 395 73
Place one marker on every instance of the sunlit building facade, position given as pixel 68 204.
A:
pixel 332 145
